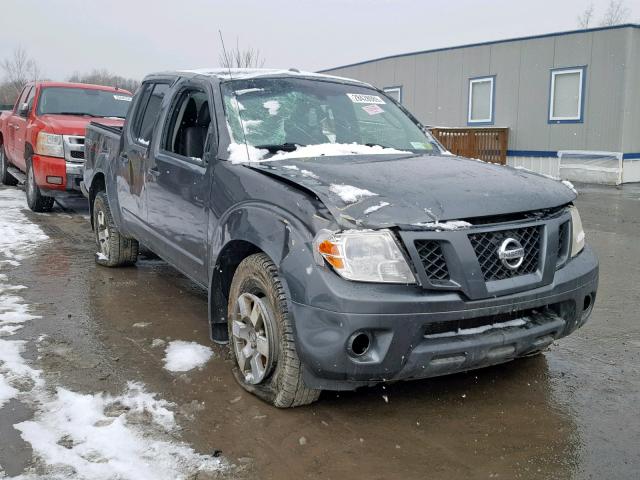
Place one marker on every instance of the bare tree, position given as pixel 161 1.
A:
pixel 239 58
pixel 617 13
pixel 104 77
pixel 19 70
pixel 584 19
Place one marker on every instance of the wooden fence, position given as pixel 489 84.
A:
pixel 488 144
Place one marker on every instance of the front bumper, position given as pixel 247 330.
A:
pixel 397 318
pixel 56 175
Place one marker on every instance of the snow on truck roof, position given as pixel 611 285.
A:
pixel 247 73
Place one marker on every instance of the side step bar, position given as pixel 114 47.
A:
pixel 17 174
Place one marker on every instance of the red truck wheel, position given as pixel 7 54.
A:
pixel 36 201
pixel 5 177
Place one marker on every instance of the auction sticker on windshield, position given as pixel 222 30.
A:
pixel 122 97
pixel 360 98
pixel 372 109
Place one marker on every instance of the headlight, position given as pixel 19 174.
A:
pixel 49 144
pixel 577 237
pixel 363 256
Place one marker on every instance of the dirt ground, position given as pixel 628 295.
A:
pixel 573 412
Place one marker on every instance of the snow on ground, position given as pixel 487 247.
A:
pixel 98 437
pixel 350 194
pixel 240 153
pixel 80 436
pixel 181 356
pixel 18 236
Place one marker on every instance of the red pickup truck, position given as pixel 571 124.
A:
pixel 42 138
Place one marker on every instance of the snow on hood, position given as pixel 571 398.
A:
pixel 416 192
pixel 241 153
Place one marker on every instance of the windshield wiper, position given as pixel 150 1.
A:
pixel 282 147
pixel 377 145
pixel 74 113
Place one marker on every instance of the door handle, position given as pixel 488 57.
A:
pixel 124 158
pixel 153 171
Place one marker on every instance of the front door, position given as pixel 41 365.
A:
pixel 135 154
pixel 13 126
pixel 20 120
pixel 178 181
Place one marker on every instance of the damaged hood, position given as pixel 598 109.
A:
pixel 375 191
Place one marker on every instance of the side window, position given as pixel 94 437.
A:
pixel 394 92
pixel 148 110
pixel 188 124
pixel 22 98
pixel 30 98
pixel 481 100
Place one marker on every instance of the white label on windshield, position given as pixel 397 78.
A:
pixel 123 98
pixel 372 109
pixel 359 98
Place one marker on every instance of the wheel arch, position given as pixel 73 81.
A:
pixel 250 229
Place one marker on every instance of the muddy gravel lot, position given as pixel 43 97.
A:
pixel 81 330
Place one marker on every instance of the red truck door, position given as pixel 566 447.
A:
pixel 10 133
pixel 19 120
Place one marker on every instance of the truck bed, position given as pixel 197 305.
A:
pixel 101 149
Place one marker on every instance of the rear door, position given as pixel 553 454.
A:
pixel 178 181
pixel 134 154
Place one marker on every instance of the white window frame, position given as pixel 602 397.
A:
pixel 567 71
pixel 472 81
pixel 394 89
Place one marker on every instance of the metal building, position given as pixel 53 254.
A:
pixel 570 100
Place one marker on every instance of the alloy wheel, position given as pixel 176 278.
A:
pixel 251 342
pixel 102 230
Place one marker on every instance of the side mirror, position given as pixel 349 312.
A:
pixel 23 111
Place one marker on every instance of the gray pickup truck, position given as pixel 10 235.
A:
pixel 340 244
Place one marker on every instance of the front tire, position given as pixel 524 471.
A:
pixel 5 177
pixel 261 338
pixel 114 250
pixel 36 201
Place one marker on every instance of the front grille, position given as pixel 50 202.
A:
pixel 433 261
pixel 563 243
pixel 78 154
pixel 486 246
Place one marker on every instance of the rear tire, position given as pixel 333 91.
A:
pixel 5 177
pixel 36 201
pixel 114 250
pixel 261 338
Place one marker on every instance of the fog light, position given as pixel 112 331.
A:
pixel 54 180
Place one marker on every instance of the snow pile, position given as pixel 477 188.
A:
pixel 241 153
pixel 350 194
pixel 448 226
pixel 273 106
pixel 18 236
pixel 181 356
pixel 518 322
pixel 100 437
pixel 375 208
pixel 238 152
pixel 570 186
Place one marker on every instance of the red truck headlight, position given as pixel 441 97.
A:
pixel 49 144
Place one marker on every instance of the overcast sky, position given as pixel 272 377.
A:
pixel 135 37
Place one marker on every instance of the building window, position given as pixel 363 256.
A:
pixel 394 92
pixel 481 100
pixel 566 97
